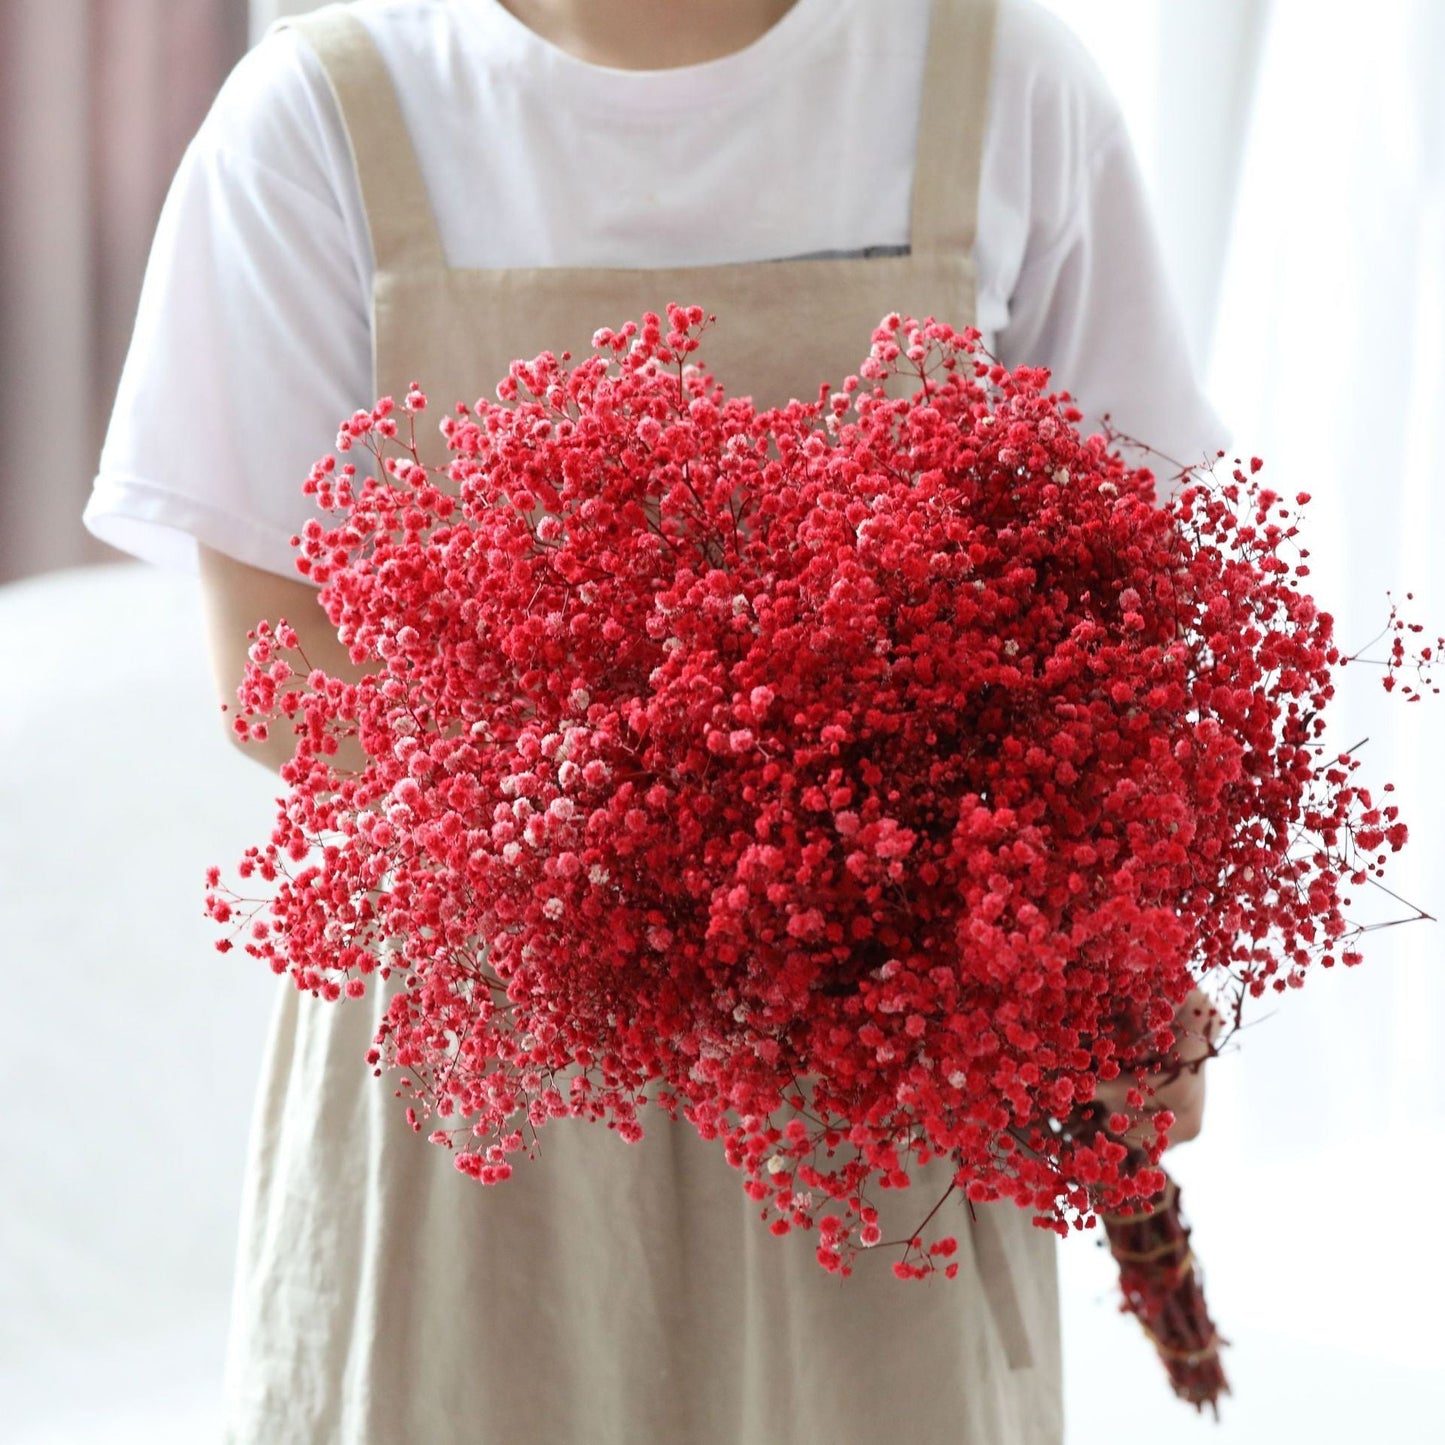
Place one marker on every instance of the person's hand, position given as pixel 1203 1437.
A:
pixel 1195 1025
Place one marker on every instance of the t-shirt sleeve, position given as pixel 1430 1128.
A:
pixel 252 338
pixel 1093 302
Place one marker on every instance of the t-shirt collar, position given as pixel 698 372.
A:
pixel 677 89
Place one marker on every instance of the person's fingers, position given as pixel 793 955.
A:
pixel 1196 1024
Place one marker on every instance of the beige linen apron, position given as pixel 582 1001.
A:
pixel 608 1293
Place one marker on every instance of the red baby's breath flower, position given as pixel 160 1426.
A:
pixel 879 774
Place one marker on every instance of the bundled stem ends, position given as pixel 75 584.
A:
pixel 1163 1290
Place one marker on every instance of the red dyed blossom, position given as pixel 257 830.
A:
pixel 877 774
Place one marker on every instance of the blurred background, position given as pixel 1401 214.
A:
pixel 1295 151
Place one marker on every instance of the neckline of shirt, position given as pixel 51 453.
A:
pixel 651 92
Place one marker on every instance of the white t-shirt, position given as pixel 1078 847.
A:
pixel 252 340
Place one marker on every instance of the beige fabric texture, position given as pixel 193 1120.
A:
pixel 611 1293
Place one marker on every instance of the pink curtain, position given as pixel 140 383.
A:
pixel 98 99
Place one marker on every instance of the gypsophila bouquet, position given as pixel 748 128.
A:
pixel 876 774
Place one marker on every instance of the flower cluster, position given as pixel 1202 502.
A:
pixel 873 775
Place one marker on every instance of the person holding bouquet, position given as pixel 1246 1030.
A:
pixel 396 190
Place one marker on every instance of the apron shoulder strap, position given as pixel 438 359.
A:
pixel 952 121
pixel 398 210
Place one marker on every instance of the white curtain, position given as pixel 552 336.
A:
pixel 97 101
pixel 1331 363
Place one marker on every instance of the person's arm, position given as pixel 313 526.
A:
pixel 236 597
